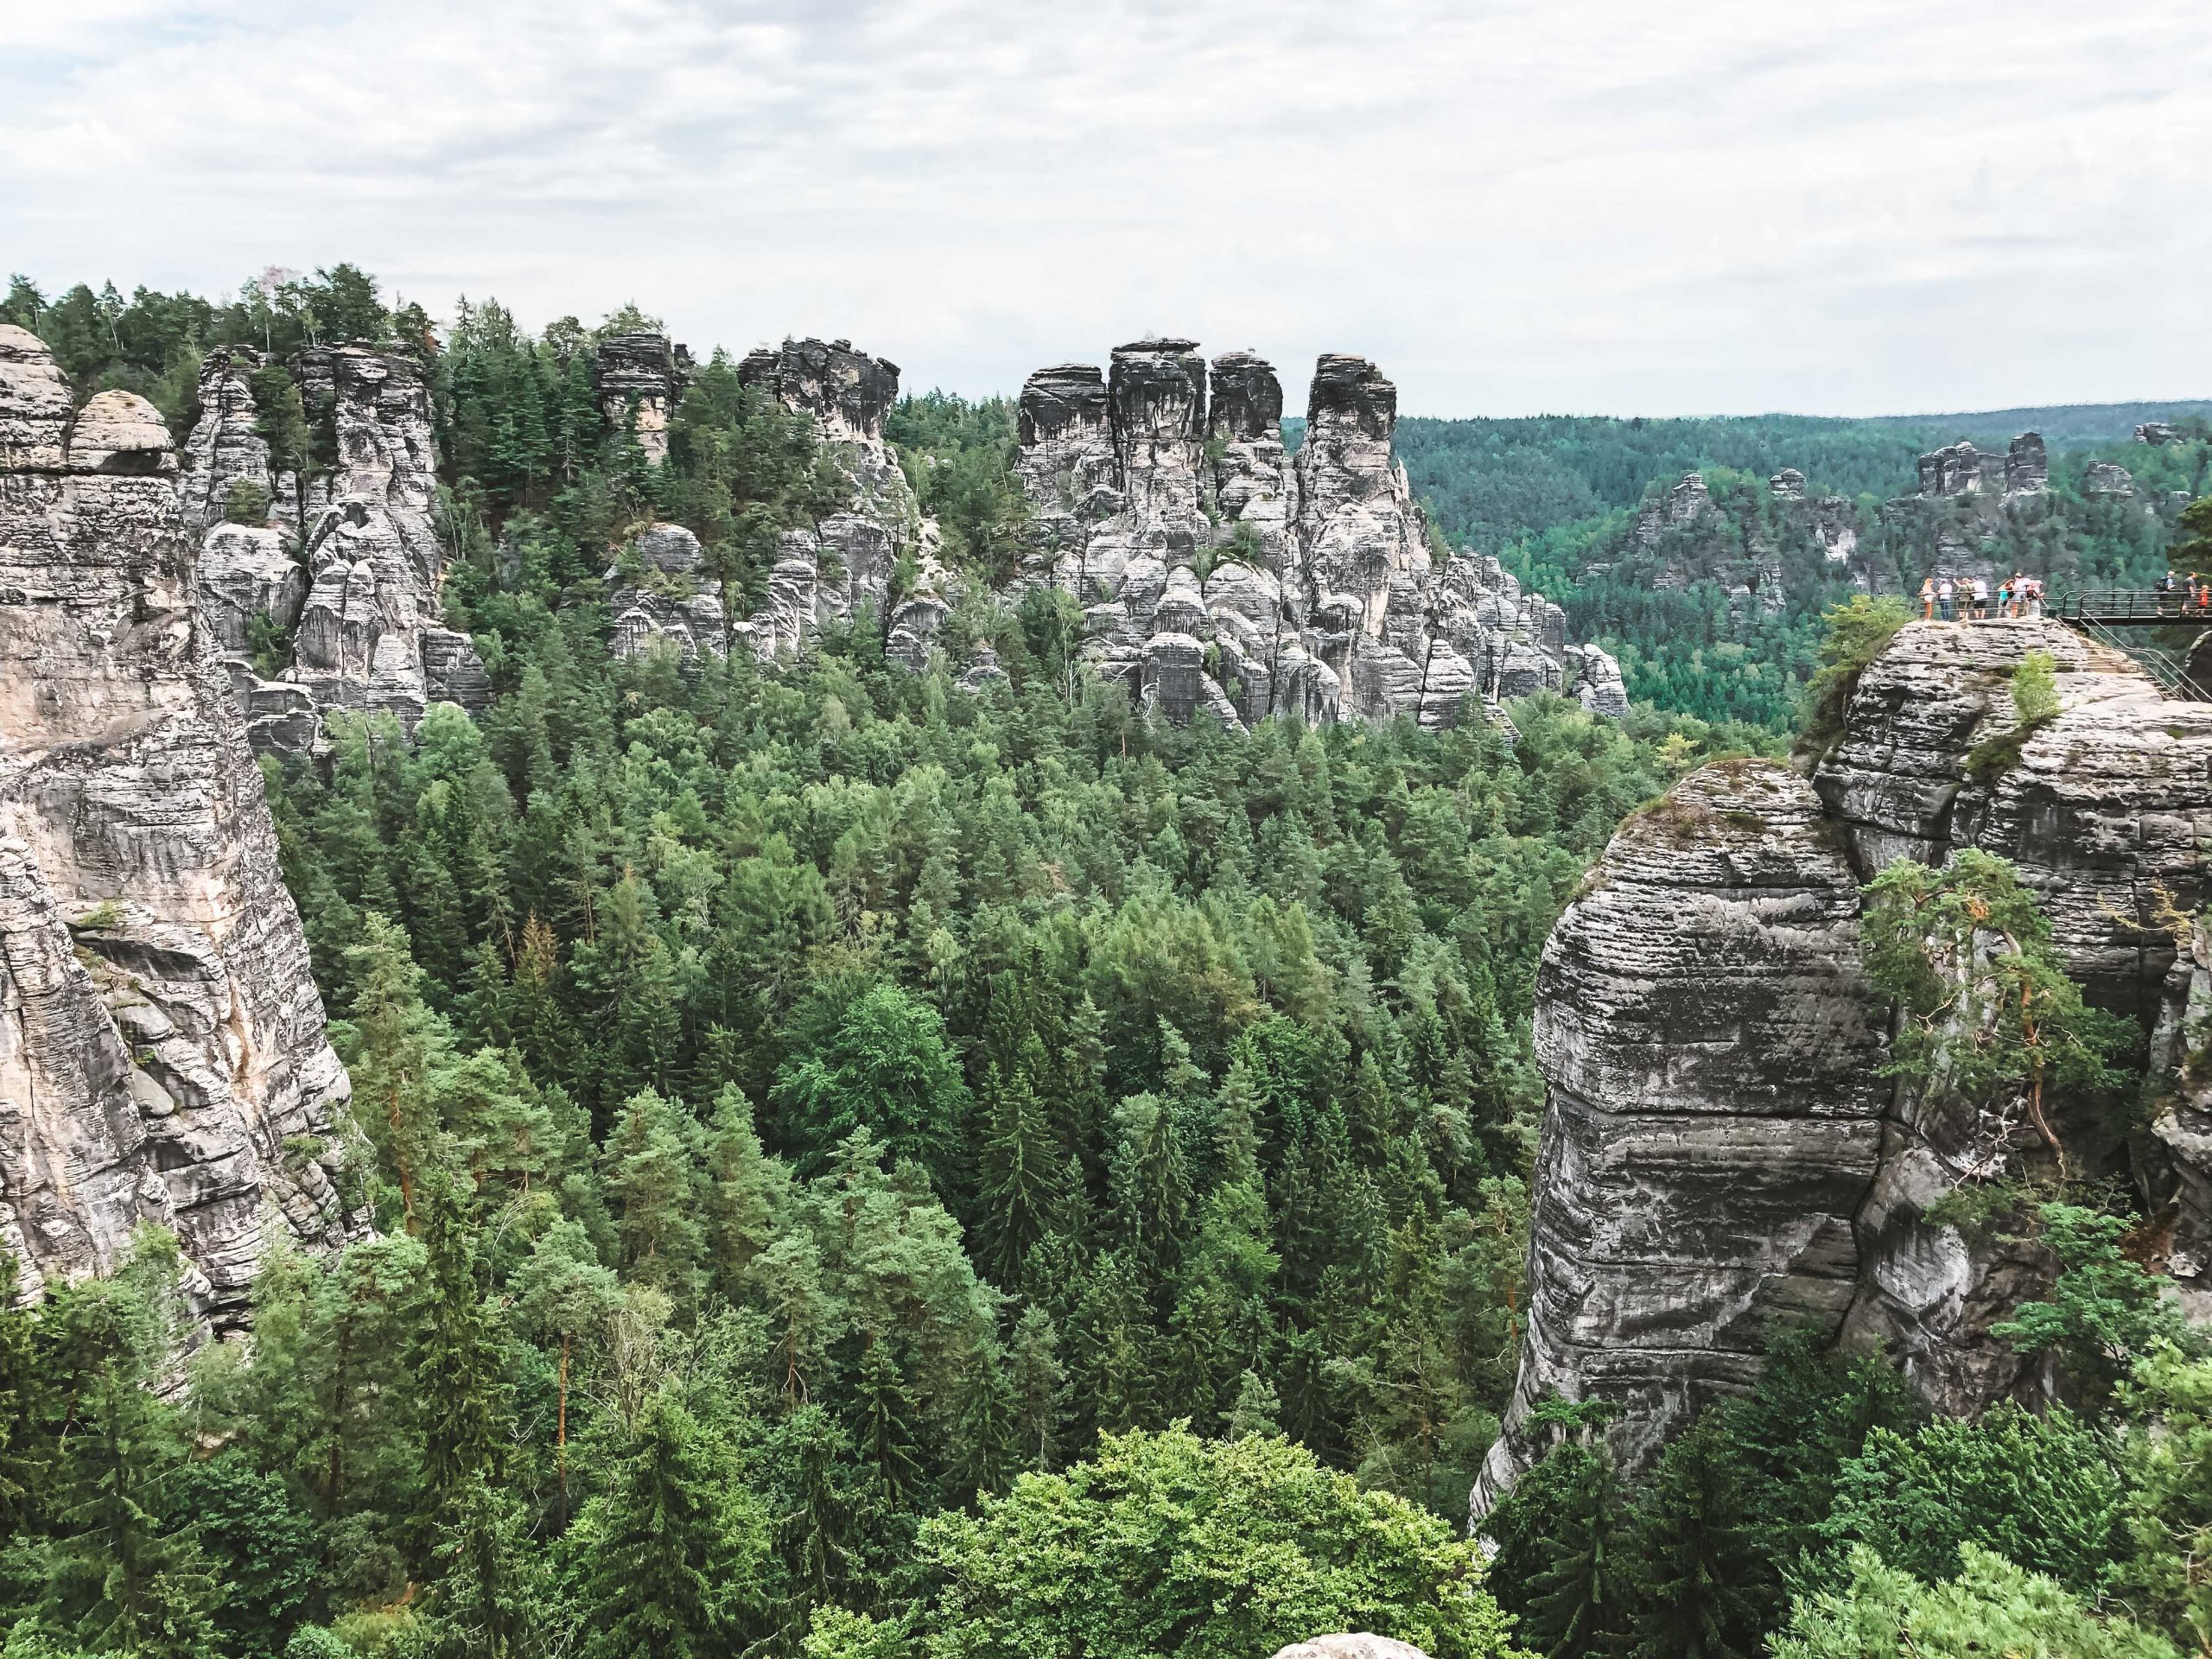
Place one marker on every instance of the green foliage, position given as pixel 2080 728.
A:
pixel 2041 1492
pixel 960 459
pixel 1993 1606
pixel 1857 631
pixel 247 503
pixel 2035 705
pixel 1168 1543
pixel 2105 1313
pixel 1987 1015
pixel 2166 1466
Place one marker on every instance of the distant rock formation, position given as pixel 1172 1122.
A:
pixel 839 571
pixel 347 562
pixel 641 378
pixel 2156 432
pixel 2107 478
pixel 1214 575
pixel 162 1055
pixel 1717 1150
pixel 2023 469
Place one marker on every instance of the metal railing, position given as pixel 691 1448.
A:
pixel 2132 607
pixel 2161 665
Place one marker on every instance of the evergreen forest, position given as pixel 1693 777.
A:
pixel 854 1166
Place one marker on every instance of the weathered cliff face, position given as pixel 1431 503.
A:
pixel 1320 596
pixel 162 1048
pixel 1713 1114
pixel 2104 816
pixel 1717 1149
pixel 348 563
pixel 641 377
pixel 837 571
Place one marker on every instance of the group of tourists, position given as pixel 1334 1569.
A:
pixel 2183 596
pixel 1964 600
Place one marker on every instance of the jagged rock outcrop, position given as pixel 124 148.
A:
pixel 839 570
pixel 1319 595
pixel 1359 1646
pixel 361 602
pixel 2107 478
pixel 640 378
pixel 662 594
pixel 1976 514
pixel 2104 814
pixel 2156 432
pixel 2181 1101
pixel 2023 469
pixel 162 1055
pixel 1713 1116
pixel 1700 1006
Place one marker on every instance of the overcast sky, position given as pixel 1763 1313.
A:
pixel 1584 206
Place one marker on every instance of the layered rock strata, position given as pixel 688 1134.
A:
pixel 1215 575
pixel 640 378
pixel 162 1055
pixel 840 570
pixel 346 565
pixel 1713 1117
pixel 1714 1114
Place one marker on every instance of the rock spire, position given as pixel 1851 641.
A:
pixel 1719 1150
pixel 1215 575
pixel 161 1049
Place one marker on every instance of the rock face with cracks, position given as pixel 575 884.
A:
pixel 1214 574
pixel 1719 1150
pixel 162 1055
pixel 840 570
pixel 345 565
pixel 1713 1116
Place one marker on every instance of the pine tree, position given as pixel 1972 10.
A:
pixel 653 1176
pixel 459 1361
pixel 662 1561
pixel 1693 1562
pixel 1021 1173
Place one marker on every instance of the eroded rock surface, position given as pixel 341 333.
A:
pixel 1713 1114
pixel 162 1048
pixel 360 604
pixel 840 570
pixel 641 377
pixel 1320 597
pixel 1718 1148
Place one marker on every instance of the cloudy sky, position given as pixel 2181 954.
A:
pixel 1514 206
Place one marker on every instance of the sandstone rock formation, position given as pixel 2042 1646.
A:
pixel 162 1048
pixel 1717 1150
pixel 1976 513
pixel 1713 1115
pixel 2109 479
pixel 360 599
pixel 2023 469
pixel 1359 1646
pixel 840 570
pixel 1215 576
pixel 640 378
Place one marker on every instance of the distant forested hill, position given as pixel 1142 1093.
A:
pixel 1489 482
pixel 2063 426
pixel 1567 502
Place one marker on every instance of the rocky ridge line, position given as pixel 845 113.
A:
pixel 347 563
pixel 1214 575
pixel 162 1055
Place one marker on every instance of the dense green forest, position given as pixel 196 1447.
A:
pixel 860 1166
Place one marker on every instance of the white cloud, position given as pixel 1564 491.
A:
pixel 1512 206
